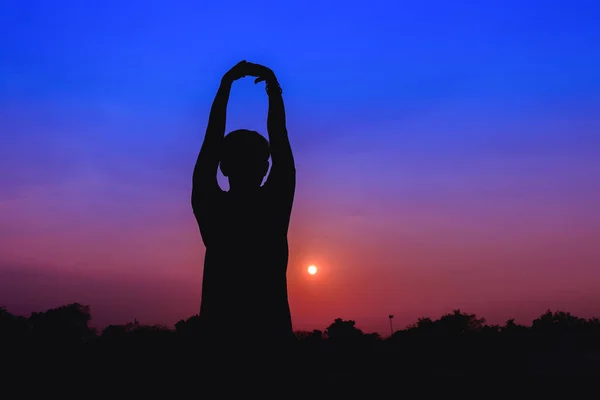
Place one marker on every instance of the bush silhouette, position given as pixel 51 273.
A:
pixel 457 343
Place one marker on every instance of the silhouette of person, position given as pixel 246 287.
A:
pixel 244 230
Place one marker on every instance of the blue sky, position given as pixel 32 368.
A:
pixel 434 122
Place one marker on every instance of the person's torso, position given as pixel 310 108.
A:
pixel 246 262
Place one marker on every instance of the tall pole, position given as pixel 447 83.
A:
pixel 391 326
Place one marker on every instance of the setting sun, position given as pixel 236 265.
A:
pixel 312 270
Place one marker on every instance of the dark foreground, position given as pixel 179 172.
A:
pixel 161 364
pixel 57 354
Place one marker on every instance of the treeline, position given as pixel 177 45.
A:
pixel 69 324
pixel 457 343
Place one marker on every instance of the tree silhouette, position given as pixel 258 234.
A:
pixel 114 332
pixel 65 325
pixel 343 330
pixel 453 323
pixel 423 325
pixel 12 327
pixel 558 322
pixel 189 327
pixel 510 327
pixel 556 342
pixel 458 322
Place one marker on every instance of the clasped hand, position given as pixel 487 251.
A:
pixel 245 68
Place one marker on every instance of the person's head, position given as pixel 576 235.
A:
pixel 245 158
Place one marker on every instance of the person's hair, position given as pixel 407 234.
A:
pixel 245 144
pixel 244 151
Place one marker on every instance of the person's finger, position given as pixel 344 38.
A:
pixel 240 64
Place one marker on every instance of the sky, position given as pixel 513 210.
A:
pixel 447 154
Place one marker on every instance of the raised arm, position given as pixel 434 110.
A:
pixel 205 172
pixel 283 170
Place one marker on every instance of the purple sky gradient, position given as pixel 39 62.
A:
pixel 447 157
